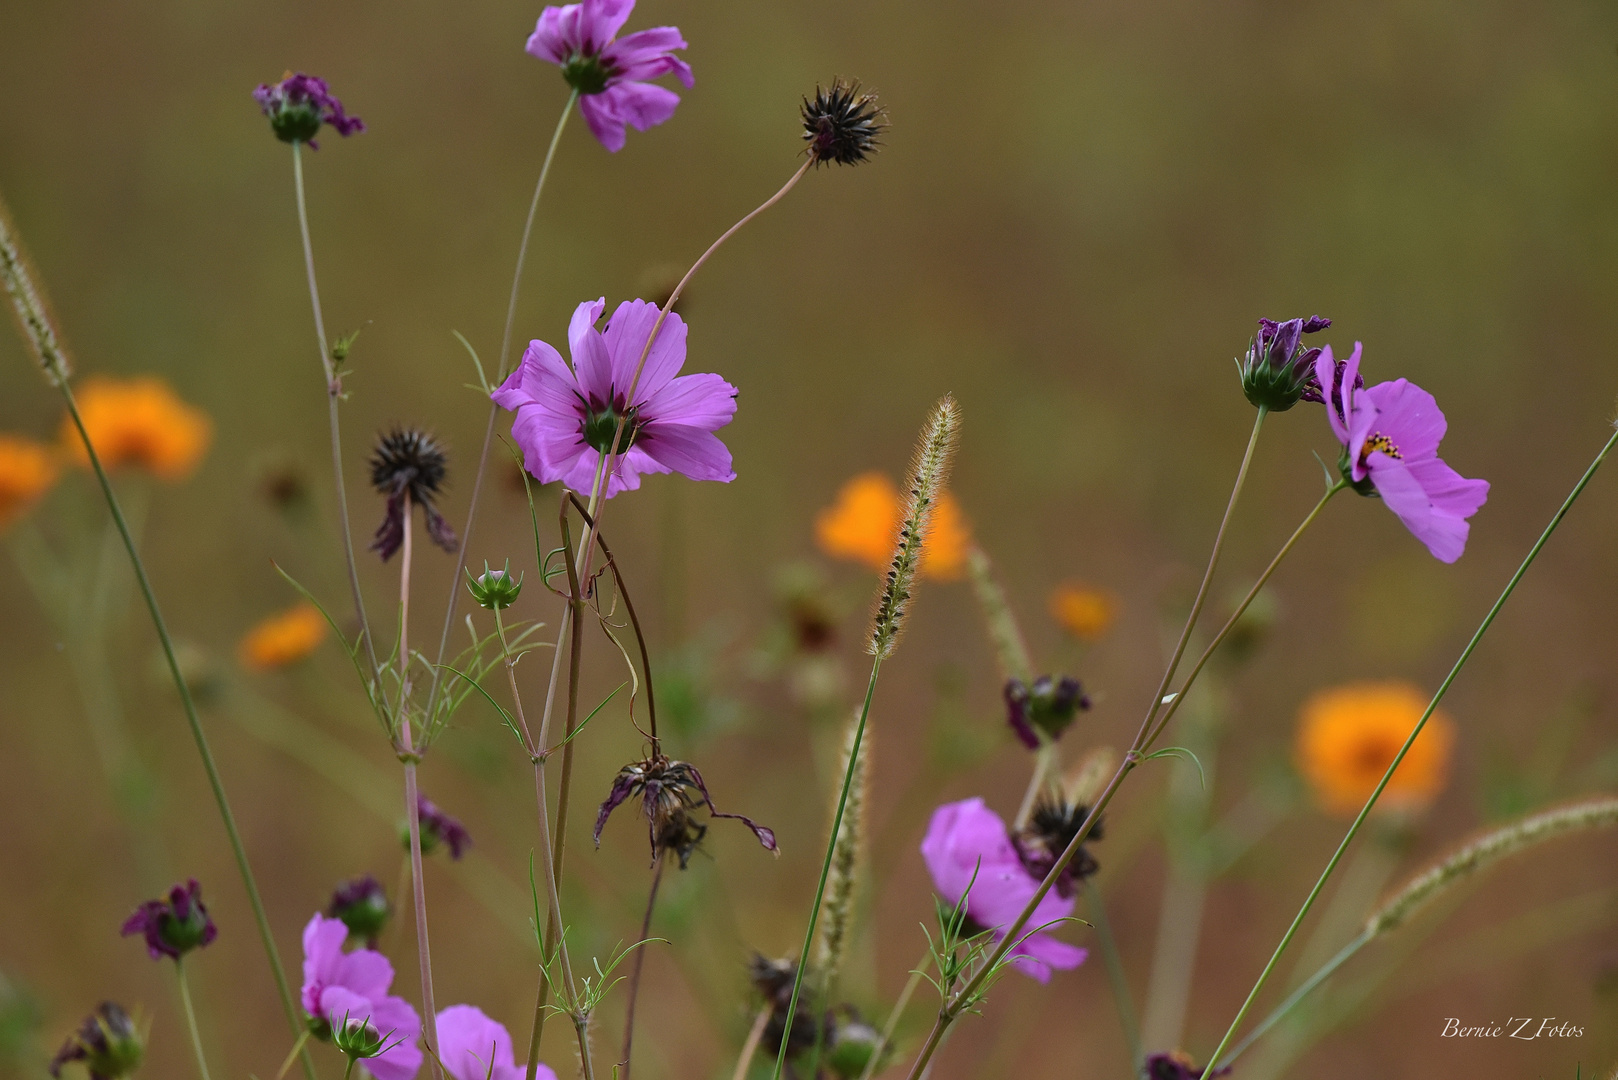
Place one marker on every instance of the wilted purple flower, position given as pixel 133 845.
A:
pixel 610 75
pixel 408 461
pixel 668 791
pixel 1277 371
pixel 352 988
pixel 362 905
pixel 438 828
pixel 299 104
pixel 1175 1066
pixel 567 417
pixel 175 926
pixel 109 1044
pixel 1390 434
pixel 473 1047
pixel 967 847
pixel 1050 829
pixel 1048 706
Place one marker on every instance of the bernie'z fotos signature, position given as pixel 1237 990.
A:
pixel 1515 1027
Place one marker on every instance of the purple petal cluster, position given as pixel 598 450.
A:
pixel 473 1047
pixel 173 926
pixel 967 847
pixel 438 827
pixel 567 417
pixel 352 987
pixel 611 75
pixel 299 104
pixel 1390 434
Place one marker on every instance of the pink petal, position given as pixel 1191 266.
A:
pixel 365 972
pixel 1444 534
pixel 640 105
pixel 1451 493
pixel 626 336
pixel 604 122
pixel 556 34
pixel 474 1047
pixel 322 954
pixel 1039 953
pixel 601 20
pixel 645 55
pixel 703 401
pixel 591 364
pixel 541 378
pixel 1325 375
pixel 689 451
pixel 550 443
pixel 1409 416
pixel 629 468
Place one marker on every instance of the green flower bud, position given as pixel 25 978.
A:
pixel 494 589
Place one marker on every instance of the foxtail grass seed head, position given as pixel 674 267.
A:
pixel 1084 782
pixel 669 791
pixel 174 925
pixel 1277 370
pixel 438 829
pixel 28 303
pixel 109 1044
pixel 362 906
pixel 929 476
pixel 1010 650
pixel 1044 709
pixel 1050 829
pixel 299 105
pixel 494 589
pixel 837 911
pixel 842 124
pixel 1487 849
pixel 409 461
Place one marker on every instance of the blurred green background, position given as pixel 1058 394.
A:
pixel 1080 211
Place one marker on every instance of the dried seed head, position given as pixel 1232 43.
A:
pixel 668 791
pixel 837 911
pixel 29 304
pixel 929 475
pixel 1050 829
pixel 842 124
pixel 409 462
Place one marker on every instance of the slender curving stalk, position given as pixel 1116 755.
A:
pixel 191 1016
pixel 754 1036
pixel 334 394
pixel 494 410
pixel 640 956
pixel 189 706
pixel 1443 689
pixel 899 1007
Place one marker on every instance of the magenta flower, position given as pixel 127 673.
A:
pixel 967 838
pixel 474 1047
pixel 610 75
pixel 173 926
pixel 352 987
pixel 1390 434
pixel 566 417
pixel 299 104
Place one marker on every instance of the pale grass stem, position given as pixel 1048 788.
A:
pixel 191 1017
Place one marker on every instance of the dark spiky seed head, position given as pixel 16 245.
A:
pixel 408 458
pixel 842 124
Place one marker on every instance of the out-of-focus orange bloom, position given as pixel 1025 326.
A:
pixel 1086 613
pixel 27 471
pixel 138 422
pixel 1348 736
pixel 284 638
pixel 863 525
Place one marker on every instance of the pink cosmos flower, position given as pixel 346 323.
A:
pixel 1390 434
pixel 610 75
pixel 967 838
pixel 566 417
pixel 353 987
pixel 474 1047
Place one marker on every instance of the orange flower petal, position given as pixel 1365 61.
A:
pixel 1082 611
pixel 138 422
pixel 284 638
pixel 1348 736
pixel 27 471
pixel 862 525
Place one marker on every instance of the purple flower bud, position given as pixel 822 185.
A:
pixel 438 828
pixel 299 104
pixel 1048 707
pixel 109 1044
pixel 175 926
pixel 363 907
pixel 1277 370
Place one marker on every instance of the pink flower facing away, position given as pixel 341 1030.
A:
pixel 566 417
pixel 967 838
pixel 609 75
pixel 1390 434
pixel 353 986
pixel 474 1047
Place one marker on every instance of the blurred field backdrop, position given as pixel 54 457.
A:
pixel 1080 212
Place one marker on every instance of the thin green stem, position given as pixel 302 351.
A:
pixel 191 1017
pixel 825 867
pixel 899 1007
pixel 494 410
pixel 1114 964
pixel 334 394
pixel 1443 689
pixel 194 721
pixel 1325 972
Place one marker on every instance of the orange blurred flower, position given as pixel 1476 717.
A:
pixel 1348 736
pixel 863 525
pixel 138 422
pixel 1082 611
pixel 284 638
pixel 27 471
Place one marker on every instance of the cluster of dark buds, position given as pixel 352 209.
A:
pixel 1278 371
pixel 1175 1066
pixel 299 104
pixel 494 589
pixel 437 830
pixel 1050 829
pixel 669 790
pixel 109 1043
pixel 363 907
pixel 173 926
pixel 842 124
pixel 1047 707
pixel 409 464
pixel 847 1043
